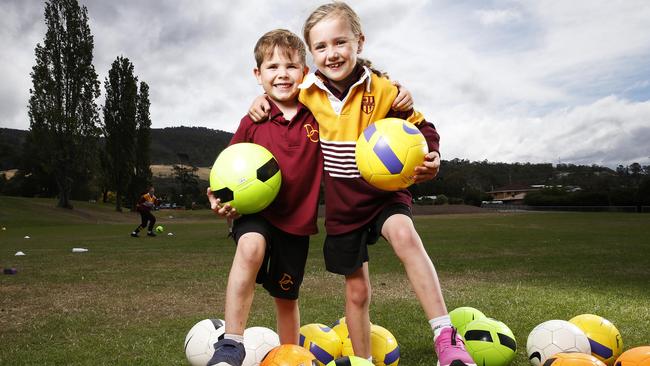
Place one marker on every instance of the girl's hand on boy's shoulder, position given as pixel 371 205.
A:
pixel 404 100
pixel 259 110
pixel 226 210
pixel 429 169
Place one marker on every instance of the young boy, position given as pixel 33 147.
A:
pixel 145 205
pixel 272 245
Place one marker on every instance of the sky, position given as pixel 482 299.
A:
pixel 504 81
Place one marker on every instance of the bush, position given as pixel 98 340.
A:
pixel 441 199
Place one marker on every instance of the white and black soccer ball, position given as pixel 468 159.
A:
pixel 258 341
pixel 200 340
pixel 555 336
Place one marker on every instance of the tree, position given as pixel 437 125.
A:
pixel 120 126
pixel 143 174
pixel 189 181
pixel 64 121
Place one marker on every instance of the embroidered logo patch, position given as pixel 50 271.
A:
pixel 368 104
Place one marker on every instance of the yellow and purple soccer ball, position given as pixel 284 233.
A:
pixel 323 342
pixel 383 346
pixel 388 151
pixel 246 176
pixel 605 340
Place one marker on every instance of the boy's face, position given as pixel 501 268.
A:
pixel 334 47
pixel 280 75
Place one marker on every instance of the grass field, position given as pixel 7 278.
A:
pixel 131 301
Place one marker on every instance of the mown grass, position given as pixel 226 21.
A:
pixel 131 301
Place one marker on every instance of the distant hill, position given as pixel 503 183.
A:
pixel 172 145
pixel 196 145
pixel 11 147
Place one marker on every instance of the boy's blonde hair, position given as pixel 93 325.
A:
pixel 284 40
pixel 338 8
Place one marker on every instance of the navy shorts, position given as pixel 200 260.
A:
pixel 283 267
pixel 346 253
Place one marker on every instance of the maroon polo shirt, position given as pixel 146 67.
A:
pixel 296 147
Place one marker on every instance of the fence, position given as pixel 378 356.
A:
pixel 515 208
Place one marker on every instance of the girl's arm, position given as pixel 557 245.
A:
pixel 259 110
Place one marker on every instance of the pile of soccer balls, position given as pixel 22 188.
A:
pixel 555 342
pixel 320 345
pixel 585 340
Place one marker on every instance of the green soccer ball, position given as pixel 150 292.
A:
pixel 464 315
pixel 160 229
pixel 350 361
pixel 490 342
pixel 246 176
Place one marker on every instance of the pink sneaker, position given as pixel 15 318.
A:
pixel 451 349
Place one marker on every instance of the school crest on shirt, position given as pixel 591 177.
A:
pixel 368 103
pixel 312 133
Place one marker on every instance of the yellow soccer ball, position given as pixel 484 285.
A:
pixel 323 342
pixel 605 340
pixel 388 151
pixel 383 346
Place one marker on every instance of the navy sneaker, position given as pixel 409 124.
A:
pixel 134 234
pixel 150 233
pixel 228 352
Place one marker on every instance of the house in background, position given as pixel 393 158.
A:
pixel 513 194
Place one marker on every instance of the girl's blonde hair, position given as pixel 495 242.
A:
pixel 343 10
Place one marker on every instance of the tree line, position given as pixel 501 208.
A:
pixel 62 150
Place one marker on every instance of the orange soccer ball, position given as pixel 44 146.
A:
pixel 638 356
pixel 289 355
pixel 573 359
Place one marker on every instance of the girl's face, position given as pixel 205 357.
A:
pixel 334 47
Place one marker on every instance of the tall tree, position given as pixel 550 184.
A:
pixel 143 173
pixel 64 121
pixel 120 126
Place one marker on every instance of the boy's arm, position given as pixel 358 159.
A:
pixel 404 100
pixel 225 211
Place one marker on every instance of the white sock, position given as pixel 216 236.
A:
pixel 235 337
pixel 437 324
pixel 370 358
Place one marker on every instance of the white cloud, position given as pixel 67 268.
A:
pixel 518 81
pixel 498 16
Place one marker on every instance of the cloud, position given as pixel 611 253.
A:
pixel 510 81
pixel 498 16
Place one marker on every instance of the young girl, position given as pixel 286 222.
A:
pixel 345 96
